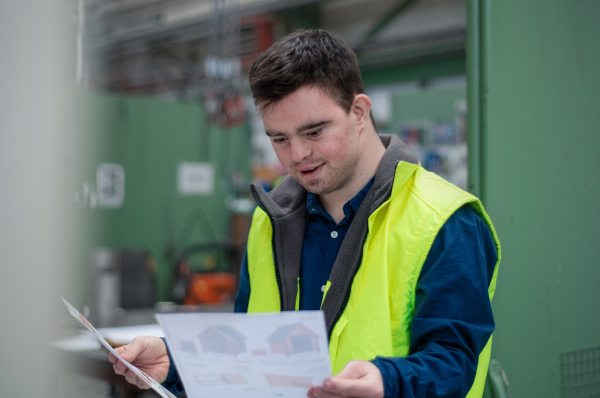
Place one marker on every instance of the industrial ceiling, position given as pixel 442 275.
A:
pixel 170 47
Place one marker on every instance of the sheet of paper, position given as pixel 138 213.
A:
pixel 156 386
pixel 248 355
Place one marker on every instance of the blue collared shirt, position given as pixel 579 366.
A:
pixel 322 241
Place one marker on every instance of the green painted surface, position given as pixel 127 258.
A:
pixel 427 104
pixel 301 17
pixel 540 182
pixel 150 138
pixel 474 93
pixel 453 66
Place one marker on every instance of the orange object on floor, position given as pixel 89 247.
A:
pixel 211 288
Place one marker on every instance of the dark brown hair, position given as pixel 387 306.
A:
pixel 306 58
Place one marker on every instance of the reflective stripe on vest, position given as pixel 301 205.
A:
pixel 378 314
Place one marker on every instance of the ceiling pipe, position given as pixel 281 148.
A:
pixel 193 23
pixel 387 18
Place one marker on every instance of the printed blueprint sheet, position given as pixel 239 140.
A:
pixel 248 355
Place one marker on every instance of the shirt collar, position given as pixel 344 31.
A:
pixel 314 206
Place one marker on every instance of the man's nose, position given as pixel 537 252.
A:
pixel 299 150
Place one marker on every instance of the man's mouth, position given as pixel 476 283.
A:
pixel 310 171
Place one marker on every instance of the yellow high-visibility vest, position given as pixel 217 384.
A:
pixel 378 314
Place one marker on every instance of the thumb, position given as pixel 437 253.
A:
pixel 357 379
pixel 352 370
pixel 119 351
pixel 130 351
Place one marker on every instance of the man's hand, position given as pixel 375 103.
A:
pixel 147 353
pixel 360 379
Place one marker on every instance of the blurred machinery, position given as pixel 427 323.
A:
pixel 207 272
pixel 189 50
pixel 120 280
pixel 222 83
pixel 212 282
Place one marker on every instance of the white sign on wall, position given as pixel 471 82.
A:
pixel 110 185
pixel 196 178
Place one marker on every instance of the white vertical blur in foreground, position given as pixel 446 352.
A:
pixel 35 193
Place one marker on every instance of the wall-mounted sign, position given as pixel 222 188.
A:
pixel 196 178
pixel 110 185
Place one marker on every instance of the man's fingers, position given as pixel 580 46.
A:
pixel 142 384
pixel 337 388
pixel 120 368
pixel 119 351
pixel 353 370
pixel 319 392
pixel 129 376
pixel 132 378
pixel 350 387
pixel 357 379
pixel 148 354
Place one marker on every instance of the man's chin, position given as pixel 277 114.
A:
pixel 316 188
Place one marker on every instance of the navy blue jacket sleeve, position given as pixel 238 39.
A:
pixel 243 295
pixel 453 316
pixel 173 381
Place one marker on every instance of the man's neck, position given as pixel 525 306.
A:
pixel 367 167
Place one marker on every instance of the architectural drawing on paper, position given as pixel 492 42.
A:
pixel 288 381
pixel 260 353
pixel 188 346
pixel 219 379
pixel 222 339
pixel 291 339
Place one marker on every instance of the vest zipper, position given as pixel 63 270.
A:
pixel 346 299
pixel 277 276
pixel 347 295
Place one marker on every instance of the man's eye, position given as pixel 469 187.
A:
pixel 278 140
pixel 314 133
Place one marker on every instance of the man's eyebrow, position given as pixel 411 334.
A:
pixel 304 127
pixel 272 133
pixel 311 125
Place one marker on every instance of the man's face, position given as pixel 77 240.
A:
pixel 315 140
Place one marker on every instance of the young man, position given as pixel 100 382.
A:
pixel 402 263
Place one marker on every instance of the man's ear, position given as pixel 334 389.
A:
pixel 361 107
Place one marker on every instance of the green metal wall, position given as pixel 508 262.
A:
pixel 414 71
pixel 534 114
pixel 428 104
pixel 150 137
